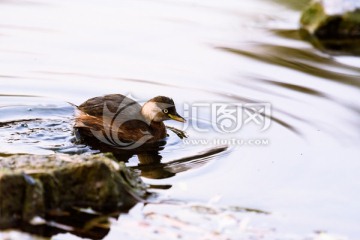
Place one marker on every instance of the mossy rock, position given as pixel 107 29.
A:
pixel 332 30
pixel 32 186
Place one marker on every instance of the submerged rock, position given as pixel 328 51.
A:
pixel 333 25
pixel 33 186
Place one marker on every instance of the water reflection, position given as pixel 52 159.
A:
pixel 293 4
pixel 157 170
pixel 78 222
pixel 150 158
pixel 302 60
pixel 309 64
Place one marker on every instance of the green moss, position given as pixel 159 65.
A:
pixel 12 196
pixel 353 17
pixel 312 17
pixel 33 204
pixel 335 34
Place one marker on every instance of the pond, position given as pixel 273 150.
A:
pixel 297 160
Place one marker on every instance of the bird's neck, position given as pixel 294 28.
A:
pixel 150 111
pixel 150 114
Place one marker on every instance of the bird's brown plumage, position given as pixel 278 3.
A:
pixel 118 116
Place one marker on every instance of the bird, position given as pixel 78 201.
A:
pixel 120 121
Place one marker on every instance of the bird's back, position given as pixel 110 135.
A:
pixel 118 114
pixel 113 104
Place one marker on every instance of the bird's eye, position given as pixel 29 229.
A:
pixel 165 110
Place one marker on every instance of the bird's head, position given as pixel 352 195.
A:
pixel 160 109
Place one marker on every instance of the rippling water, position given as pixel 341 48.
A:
pixel 55 52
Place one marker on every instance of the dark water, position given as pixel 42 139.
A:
pixel 200 53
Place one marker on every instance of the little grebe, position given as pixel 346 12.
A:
pixel 117 116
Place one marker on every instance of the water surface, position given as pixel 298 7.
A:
pixel 55 52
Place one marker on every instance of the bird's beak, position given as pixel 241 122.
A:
pixel 177 117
